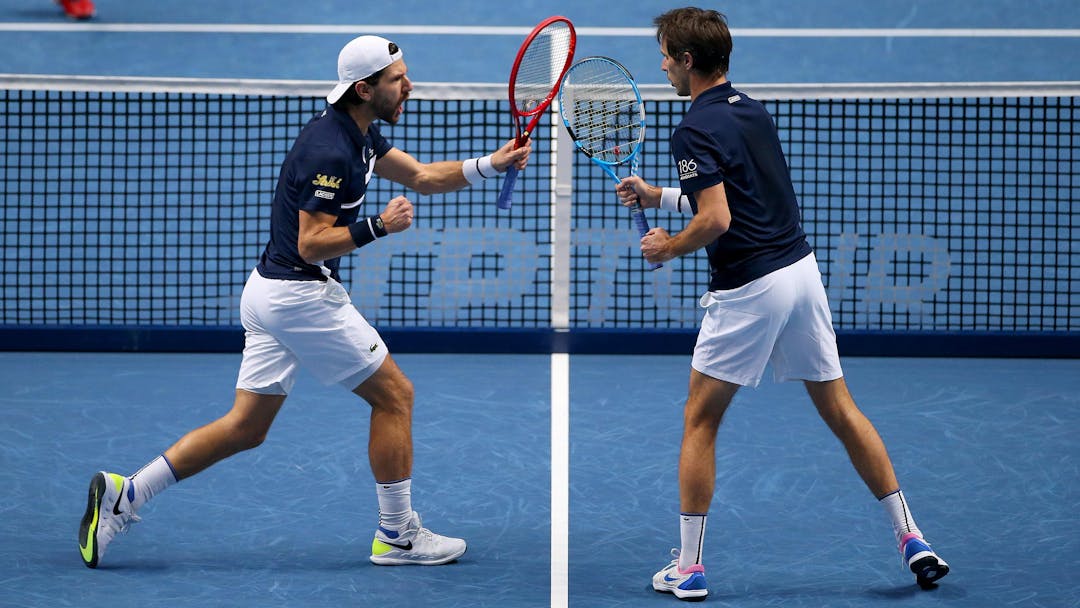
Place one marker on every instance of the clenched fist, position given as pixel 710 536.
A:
pixel 398 215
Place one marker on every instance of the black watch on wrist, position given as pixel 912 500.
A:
pixel 377 224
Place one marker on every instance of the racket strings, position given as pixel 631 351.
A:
pixel 603 112
pixel 541 66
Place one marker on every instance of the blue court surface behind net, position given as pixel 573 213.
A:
pixel 986 450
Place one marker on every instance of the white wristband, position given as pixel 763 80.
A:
pixel 673 199
pixel 477 170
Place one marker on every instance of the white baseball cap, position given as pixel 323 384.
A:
pixel 361 58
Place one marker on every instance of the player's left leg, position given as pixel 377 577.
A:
pixel 390 394
pixel 806 350
pixel 871 460
pixel 861 440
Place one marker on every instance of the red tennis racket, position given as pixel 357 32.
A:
pixel 541 62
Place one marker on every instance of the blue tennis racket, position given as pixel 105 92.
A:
pixel 602 110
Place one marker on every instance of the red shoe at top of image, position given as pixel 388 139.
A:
pixel 77 9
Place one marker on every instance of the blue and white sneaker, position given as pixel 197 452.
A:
pixel 414 546
pixel 921 559
pixel 686 584
pixel 108 512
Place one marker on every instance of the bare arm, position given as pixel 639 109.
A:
pixel 634 189
pixel 319 239
pixel 446 175
pixel 713 219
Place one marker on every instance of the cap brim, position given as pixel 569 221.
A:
pixel 338 91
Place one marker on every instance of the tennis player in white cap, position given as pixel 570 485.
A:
pixel 296 312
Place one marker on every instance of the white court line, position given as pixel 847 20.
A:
pixel 560 479
pixel 466 30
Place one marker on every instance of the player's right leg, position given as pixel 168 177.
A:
pixel 705 406
pixel 108 512
pixel 732 350
pixel 114 499
pixel 244 427
pixel 708 399
pixel 685 584
pixel 267 374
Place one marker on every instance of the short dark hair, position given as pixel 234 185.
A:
pixel 702 33
pixel 351 98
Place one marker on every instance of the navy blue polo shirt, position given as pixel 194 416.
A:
pixel 327 170
pixel 727 137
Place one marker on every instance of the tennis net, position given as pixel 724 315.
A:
pixel 145 202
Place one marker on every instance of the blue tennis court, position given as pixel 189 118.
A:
pixel 987 450
pixel 776 41
pixel 291 522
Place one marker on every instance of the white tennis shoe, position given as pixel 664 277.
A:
pixel 108 512
pixel 686 584
pixel 415 545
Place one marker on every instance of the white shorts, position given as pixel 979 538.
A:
pixel 782 318
pixel 309 323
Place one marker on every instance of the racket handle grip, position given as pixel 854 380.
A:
pixel 642 225
pixel 503 202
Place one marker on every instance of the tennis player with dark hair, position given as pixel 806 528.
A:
pixel 296 313
pixel 766 302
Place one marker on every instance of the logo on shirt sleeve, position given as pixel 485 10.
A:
pixel 687 168
pixel 325 194
pixel 326 181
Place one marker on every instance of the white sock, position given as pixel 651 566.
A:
pixel 150 480
pixel 692 535
pixel 902 521
pixel 395 503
